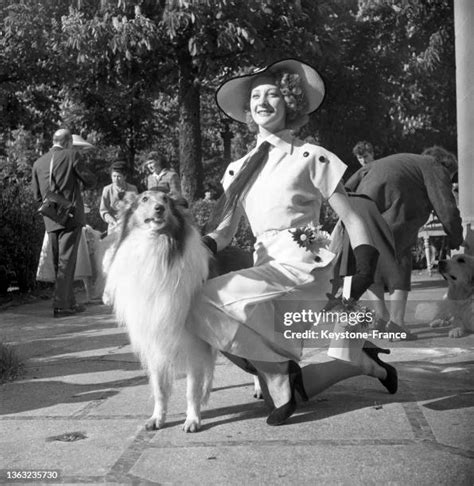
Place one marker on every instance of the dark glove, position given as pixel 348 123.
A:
pixel 366 257
pixel 210 243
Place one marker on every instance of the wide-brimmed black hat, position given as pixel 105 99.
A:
pixel 233 96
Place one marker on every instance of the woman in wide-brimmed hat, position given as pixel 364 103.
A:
pixel 279 186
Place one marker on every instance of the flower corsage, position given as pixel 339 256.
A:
pixel 312 238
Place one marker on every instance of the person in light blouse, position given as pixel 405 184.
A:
pixel 279 186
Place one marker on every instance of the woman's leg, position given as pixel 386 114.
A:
pixel 276 379
pixel 399 297
pixel 316 377
pixel 398 304
pixel 320 376
pixel 376 296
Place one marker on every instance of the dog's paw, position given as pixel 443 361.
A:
pixel 457 332
pixel 192 424
pixel 154 423
pixel 440 323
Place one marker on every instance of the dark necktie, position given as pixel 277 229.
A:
pixel 251 168
pixel 258 158
pixel 240 185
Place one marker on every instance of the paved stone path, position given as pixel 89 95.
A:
pixel 82 404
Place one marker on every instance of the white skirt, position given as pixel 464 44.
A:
pixel 247 313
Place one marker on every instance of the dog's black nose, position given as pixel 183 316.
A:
pixel 159 208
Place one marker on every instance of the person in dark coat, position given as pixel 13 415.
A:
pixel 382 239
pixel 68 172
pixel 406 188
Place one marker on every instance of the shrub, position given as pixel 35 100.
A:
pixel 11 367
pixel 21 234
pixel 21 228
pixel 202 210
pixel 93 219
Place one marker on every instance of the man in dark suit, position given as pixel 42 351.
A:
pixel 406 188
pixel 68 172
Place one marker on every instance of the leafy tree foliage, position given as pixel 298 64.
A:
pixel 139 74
pixel 28 65
pixel 395 82
pixel 21 228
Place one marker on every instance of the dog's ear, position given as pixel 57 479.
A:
pixel 130 198
pixel 468 267
pixel 179 201
pixel 125 220
pixel 181 227
pixel 124 204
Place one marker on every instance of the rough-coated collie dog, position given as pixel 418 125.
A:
pixel 157 265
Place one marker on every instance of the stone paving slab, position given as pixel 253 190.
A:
pixel 64 395
pixel 280 464
pixel 27 444
pixel 312 422
pixel 451 420
pixel 82 377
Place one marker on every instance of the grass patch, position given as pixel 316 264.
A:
pixel 11 366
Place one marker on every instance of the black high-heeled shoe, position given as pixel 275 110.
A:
pixel 281 414
pixel 391 381
pixel 378 349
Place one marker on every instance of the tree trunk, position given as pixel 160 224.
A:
pixel 190 162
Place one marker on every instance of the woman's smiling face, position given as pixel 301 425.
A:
pixel 267 106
